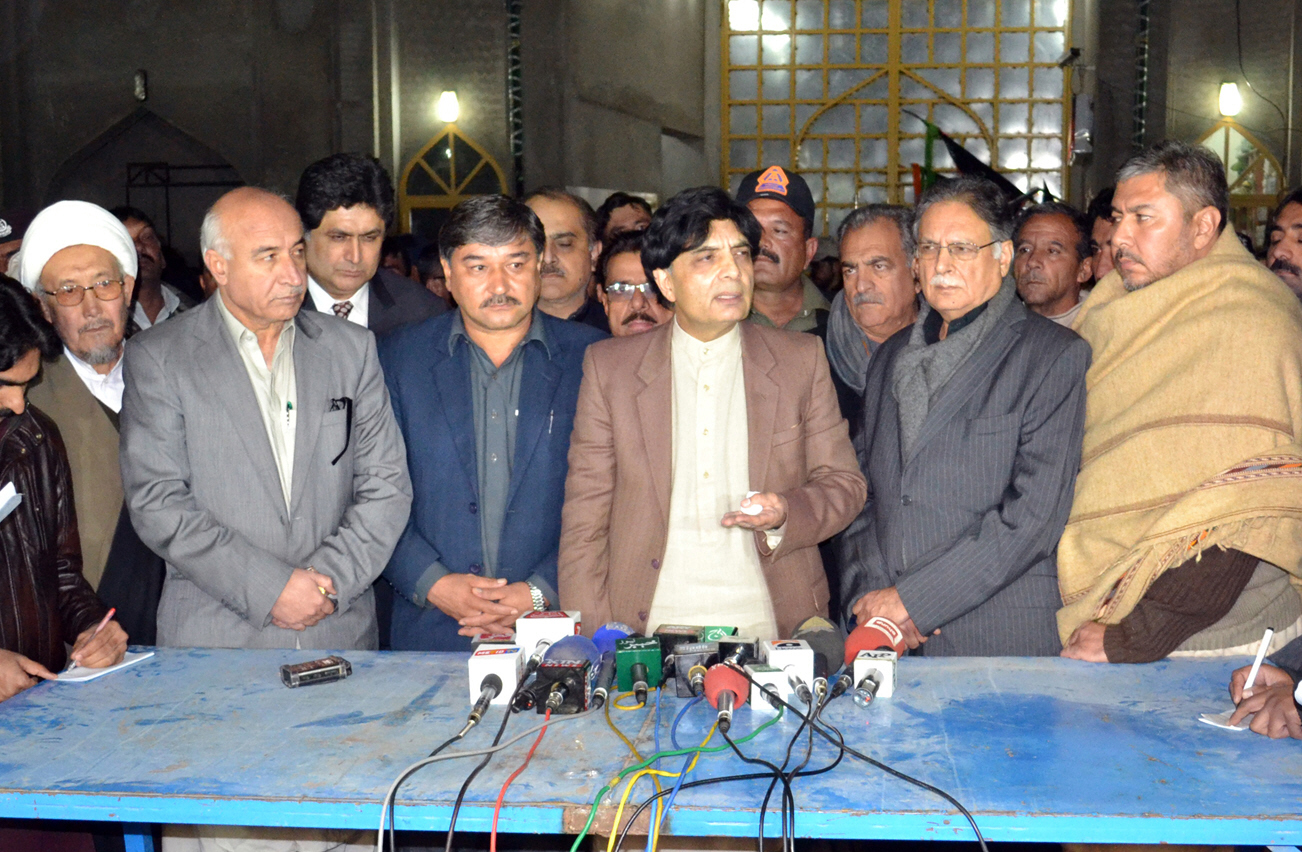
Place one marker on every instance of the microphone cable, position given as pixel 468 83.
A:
pixel 724 779
pixel 592 810
pixel 787 798
pixel 629 743
pixel 497 809
pixel 461 794
pixel 909 779
pixel 809 750
pixel 619 813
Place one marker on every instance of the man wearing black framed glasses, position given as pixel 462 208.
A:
pixel 633 302
pixel 971 439
pixel 80 263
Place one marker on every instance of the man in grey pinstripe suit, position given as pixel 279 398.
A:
pixel 971 440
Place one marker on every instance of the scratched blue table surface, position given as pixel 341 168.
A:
pixel 1037 749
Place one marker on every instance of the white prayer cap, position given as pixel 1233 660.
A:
pixel 72 223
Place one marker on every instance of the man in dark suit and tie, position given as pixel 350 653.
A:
pixel 346 201
pixel 485 398
pixel 971 440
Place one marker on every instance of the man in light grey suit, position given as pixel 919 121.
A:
pixel 971 440
pixel 260 456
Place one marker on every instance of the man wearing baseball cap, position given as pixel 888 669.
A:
pixel 784 295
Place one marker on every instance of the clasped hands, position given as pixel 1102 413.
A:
pixel 481 604
pixel 887 603
pixel 303 602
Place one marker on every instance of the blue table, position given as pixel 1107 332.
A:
pixel 1037 749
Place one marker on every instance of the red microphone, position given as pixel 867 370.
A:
pixel 875 634
pixel 725 689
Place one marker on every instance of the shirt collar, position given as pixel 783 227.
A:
pixel 325 302
pixel 698 351
pixel 537 332
pixel 238 330
pixel 931 328
pixel 89 374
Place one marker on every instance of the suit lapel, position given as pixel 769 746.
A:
pixel 539 379
pixel 310 366
pixel 453 398
pixel 969 377
pixel 655 411
pixel 228 381
pixel 761 402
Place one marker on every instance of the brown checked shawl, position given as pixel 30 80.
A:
pixel 1192 431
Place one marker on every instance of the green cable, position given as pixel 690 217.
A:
pixel 592 814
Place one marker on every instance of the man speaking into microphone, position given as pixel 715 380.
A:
pixel 677 426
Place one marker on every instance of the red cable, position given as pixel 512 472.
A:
pixel 492 837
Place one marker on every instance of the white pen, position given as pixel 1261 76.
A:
pixel 1261 655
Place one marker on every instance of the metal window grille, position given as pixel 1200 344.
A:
pixel 822 86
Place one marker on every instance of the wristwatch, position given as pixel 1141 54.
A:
pixel 539 602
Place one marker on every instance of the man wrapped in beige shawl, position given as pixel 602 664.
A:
pixel 1191 466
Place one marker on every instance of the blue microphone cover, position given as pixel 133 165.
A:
pixel 573 649
pixel 608 634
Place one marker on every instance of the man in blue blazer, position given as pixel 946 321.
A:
pixel 485 398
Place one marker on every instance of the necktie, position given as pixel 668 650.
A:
pixel 343 309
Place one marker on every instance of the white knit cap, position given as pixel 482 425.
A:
pixel 72 223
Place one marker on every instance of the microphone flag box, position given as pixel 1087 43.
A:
pixel 688 657
pixel 637 650
pixel 715 633
pixel 492 639
pixel 573 680
pixel 673 635
pixel 505 661
pixel 534 627
pixel 880 663
pixel 785 653
pixel 769 681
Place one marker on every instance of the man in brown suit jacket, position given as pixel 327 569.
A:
pixel 708 452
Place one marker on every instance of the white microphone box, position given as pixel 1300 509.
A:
pixel 781 653
pixel 767 678
pixel 534 627
pixel 882 663
pixel 505 661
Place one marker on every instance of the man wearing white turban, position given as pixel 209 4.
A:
pixel 80 263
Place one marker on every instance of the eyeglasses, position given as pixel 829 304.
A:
pixel 960 252
pixel 620 290
pixel 70 295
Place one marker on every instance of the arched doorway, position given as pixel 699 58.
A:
pixel 146 161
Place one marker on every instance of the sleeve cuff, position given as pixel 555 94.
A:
pixel 553 599
pixel 773 538
pixel 435 572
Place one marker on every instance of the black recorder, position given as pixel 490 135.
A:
pixel 324 670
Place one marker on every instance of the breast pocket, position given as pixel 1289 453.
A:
pixel 978 455
pixel 789 434
pixel 334 438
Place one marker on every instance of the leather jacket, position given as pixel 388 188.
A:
pixel 45 600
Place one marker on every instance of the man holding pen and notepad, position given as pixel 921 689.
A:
pixel 46 600
pixel 1268 694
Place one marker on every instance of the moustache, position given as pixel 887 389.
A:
pixel 1282 265
pixel 552 269
pixel 96 325
pixel 943 280
pixel 871 298
pixel 1122 253
pixel 499 301
pixel 768 255
pixel 636 316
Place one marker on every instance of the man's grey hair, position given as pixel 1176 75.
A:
pixel 984 199
pixel 897 214
pixel 211 236
pixel 1193 174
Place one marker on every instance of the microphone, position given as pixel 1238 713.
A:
pixel 490 688
pixel 798 686
pixel 568 673
pixel 536 659
pixel 605 679
pixel 875 634
pixel 725 689
pixel 824 638
pixel 610 633
pixel 637 665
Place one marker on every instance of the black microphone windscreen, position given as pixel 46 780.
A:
pixel 826 639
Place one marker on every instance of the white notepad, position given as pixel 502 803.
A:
pixel 82 674
pixel 9 500
pixel 1221 720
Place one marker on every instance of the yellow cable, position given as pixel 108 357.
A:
pixel 632 748
pixel 619 706
pixel 619 813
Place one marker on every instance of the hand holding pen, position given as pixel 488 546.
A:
pixel 103 645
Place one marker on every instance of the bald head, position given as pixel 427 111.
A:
pixel 252 243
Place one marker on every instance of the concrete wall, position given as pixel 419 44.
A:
pixel 615 94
